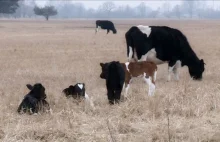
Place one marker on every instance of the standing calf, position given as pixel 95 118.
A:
pixel 117 74
pixel 35 100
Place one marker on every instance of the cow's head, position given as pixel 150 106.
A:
pixel 37 91
pixel 104 73
pixel 197 70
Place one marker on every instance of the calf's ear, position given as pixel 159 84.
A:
pixel 101 64
pixel 30 87
pixel 202 61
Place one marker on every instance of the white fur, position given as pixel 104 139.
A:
pixel 127 64
pixel 130 53
pixel 175 69
pixel 170 70
pixel 155 75
pixel 145 29
pixel 126 90
pixel 151 86
pixel 151 56
pixel 80 86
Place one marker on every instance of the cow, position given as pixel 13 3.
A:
pixel 78 92
pixel 35 100
pixel 161 44
pixel 105 24
pixel 117 74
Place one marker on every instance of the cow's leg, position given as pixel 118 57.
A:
pixel 108 31
pixel 117 96
pixel 171 65
pixel 110 96
pixel 175 70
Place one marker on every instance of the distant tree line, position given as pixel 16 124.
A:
pixel 68 10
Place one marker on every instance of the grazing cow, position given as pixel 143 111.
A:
pixel 117 74
pixel 105 24
pixel 114 74
pixel 35 100
pixel 163 44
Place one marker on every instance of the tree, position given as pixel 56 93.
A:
pixel 46 11
pixel 176 11
pixel 189 7
pixel 8 6
pixel 108 7
pixel 142 9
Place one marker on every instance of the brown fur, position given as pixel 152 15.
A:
pixel 138 69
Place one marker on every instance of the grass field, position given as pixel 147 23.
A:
pixel 60 53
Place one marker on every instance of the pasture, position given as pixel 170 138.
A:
pixel 59 53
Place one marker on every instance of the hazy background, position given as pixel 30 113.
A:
pixel 176 9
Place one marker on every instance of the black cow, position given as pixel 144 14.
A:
pixel 77 91
pixel 114 74
pixel 105 24
pixel 163 44
pixel 35 100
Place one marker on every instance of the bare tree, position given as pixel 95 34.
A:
pixel 142 9
pixel 176 11
pixel 108 7
pixel 189 7
pixel 166 9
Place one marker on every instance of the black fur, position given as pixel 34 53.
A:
pixel 107 25
pixel 75 91
pixel 170 45
pixel 114 74
pixel 35 100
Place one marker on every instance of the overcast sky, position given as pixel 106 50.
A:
pixel 152 3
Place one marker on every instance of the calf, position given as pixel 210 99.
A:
pixel 114 74
pixel 117 74
pixel 105 24
pixel 77 91
pixel 35 100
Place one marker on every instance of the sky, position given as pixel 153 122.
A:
pixel 154 4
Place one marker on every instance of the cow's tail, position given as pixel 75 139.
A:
pixel 129 43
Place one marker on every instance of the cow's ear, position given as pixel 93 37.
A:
pixel 30 87
pixel 202 61
pixel 101 64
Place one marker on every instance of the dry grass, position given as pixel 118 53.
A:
pixel 60 53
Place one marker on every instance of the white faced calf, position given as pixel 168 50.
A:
pixel 148 70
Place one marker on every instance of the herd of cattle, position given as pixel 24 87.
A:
pixel 147 46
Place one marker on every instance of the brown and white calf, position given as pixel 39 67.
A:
pixel 145 69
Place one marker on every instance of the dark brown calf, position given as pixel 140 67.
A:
pixel 146 69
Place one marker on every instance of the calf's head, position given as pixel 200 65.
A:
pixel 104 73
pixel 37 91
pixel 76 91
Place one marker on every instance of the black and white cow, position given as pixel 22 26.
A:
pixel 105 24
pixel 161 44
pixel 35 100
